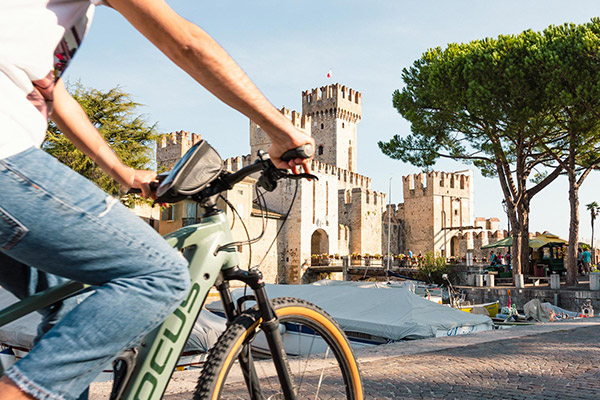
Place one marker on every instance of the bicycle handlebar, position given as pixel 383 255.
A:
pixel 268 179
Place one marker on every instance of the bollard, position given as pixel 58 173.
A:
pixel 489 280
pixel 595 281
pixel 471 279
pixel 554 281
pixel 519 281
pixel 478 280
pixel 345 266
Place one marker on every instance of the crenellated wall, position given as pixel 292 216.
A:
pixel 340 213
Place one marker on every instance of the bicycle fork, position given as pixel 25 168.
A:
pixel 270 327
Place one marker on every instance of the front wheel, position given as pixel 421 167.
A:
pixel 320 358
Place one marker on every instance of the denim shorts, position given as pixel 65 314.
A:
pixel 57 225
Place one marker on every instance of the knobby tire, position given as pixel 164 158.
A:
pixel 244 329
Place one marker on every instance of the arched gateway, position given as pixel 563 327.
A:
pixel 319 242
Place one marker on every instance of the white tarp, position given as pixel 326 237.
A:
pixel 392 313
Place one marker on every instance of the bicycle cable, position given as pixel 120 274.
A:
pixel 240 243
pixel 282 224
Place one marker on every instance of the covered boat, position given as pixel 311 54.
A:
pixel 378 313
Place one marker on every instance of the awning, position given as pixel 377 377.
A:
pixel 506 242
pixel 546 239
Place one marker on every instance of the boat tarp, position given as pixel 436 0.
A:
pixel 21 332
pixel 392 312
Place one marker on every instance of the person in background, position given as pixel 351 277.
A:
pixel 580 261
pixel 586 259
pixel 493 259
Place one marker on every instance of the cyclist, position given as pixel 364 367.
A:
pixel 54 224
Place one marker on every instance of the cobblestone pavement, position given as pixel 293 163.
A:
pixel 556 365
pixel 551 361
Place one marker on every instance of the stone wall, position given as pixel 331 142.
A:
pixel 365 214
pixel 397 229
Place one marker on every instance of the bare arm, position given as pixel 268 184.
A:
pixel 192 49
pixel 72 120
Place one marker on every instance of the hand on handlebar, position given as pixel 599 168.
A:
pixel 146 182
pixel 277 151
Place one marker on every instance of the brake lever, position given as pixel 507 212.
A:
pixel 268 179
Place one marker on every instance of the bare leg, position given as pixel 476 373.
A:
pixel 10 391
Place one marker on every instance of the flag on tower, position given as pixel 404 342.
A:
pixel 329 74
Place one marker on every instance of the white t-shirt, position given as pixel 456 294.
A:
pixel 38 38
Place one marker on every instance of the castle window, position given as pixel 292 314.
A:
pixel 320 150
pixel 455 212
pixel 343 126
pixel 322 126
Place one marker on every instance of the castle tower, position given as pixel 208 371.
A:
pixel 335 111
pixel 259 139
pixel 437 205
pixel 171 146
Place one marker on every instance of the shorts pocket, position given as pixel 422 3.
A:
pixel 11 230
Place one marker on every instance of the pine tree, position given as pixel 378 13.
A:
pixel 116 117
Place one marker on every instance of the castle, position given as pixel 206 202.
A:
pixel 339 213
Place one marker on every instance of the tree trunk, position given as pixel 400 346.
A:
pixel 592 242
pixel 517 250
pixel 571 259
pixel 524 216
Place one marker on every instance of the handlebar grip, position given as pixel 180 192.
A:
pixel 153 187
pixel 304 151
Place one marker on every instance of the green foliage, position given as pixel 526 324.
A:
pixel 432 267
pixel 115 116
pixel 571 72
pixel 474 102
pixel 521 107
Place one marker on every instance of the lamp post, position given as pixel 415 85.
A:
pixel 505 208
pixel 389 223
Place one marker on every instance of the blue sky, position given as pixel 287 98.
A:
pixel 288 46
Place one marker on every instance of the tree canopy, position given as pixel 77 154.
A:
pixel 495 103
pixel 572 83
pixel 116 117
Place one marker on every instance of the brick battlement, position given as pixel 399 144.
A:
pixel 347 178
pixel 336 93
pixel 172 146
pixel 299 120
pixel 435 183
pixel 234 164
pixel 333 101
pixel 178 138
pixel 397 211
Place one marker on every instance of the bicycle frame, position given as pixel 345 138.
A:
pixel 160 350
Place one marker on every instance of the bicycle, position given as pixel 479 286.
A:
pixel 237 363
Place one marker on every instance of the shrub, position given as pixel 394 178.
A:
pixel 432 267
